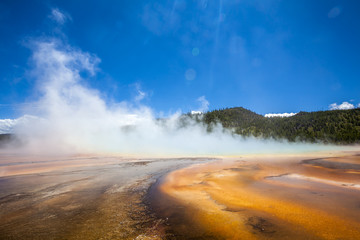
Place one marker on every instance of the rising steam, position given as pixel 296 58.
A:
pixel 72 118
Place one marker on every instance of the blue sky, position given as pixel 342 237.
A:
pixel 267 56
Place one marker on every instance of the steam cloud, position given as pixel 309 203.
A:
pixel 8 125
pixel 59 16
pixel 204 105
pixel 72 118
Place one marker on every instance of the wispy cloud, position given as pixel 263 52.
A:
pixel 140 94
pixel 59 16
pixel 204 105
pixel 342 106
pixel 269 115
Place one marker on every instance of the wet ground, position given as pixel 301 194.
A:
pixel 314 196
pixel 310 196
pixel 81 197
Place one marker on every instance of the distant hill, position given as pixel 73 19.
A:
pixel 336 126
pixel 6 139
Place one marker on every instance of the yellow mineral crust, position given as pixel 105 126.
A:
pixel 269 198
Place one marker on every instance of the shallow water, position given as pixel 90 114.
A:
pixel 80 197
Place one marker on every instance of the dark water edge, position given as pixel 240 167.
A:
pixel 177 223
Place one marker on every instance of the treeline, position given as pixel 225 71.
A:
pixel 5 139
pixel 336 126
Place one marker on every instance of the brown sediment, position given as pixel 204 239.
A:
pixel 268 197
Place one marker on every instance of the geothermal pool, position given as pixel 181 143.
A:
pixel 315 196
pixel 301 196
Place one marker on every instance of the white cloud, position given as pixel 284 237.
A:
pixel 342 106
pixel 59 16
pixel 196 112
pixel 334 12
pixel 269 115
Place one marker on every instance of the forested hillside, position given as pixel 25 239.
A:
pixel 5 139
pixel 337 126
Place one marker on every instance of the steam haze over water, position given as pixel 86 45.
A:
pixel 70 117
